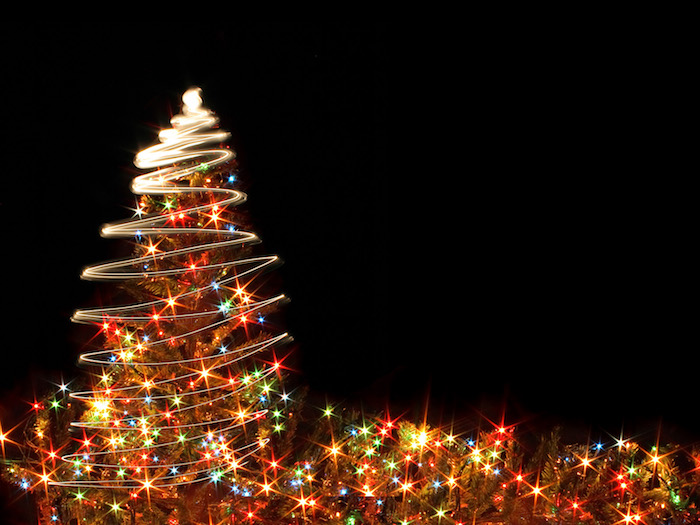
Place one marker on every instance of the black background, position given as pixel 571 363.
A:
pixel 473 218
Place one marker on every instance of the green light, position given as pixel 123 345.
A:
pixel 675 498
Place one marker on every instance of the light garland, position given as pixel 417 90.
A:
pixel 172 389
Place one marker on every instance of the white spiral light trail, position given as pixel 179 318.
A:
pixel 149 409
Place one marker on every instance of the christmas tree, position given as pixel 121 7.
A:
pixel 184 374
pixel 185 416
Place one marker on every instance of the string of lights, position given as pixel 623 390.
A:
pixel 144 407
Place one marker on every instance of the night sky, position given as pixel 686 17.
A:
pixel 469 223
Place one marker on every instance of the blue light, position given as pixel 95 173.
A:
pixel 232 178
pixel 215 285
